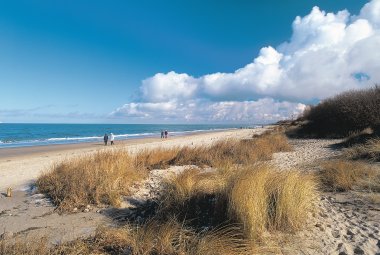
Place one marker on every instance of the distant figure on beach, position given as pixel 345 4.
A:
pixel 166 134
pixel 112 138
pixel 162 133
pixel 105 138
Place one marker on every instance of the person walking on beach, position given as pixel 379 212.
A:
pixel 166 134
pixel 162 134
pixel 105 138
pixel 112 138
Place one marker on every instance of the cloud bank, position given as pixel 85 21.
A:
pixel 327 53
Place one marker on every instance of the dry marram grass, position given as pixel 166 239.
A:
pixel 259 197
pixel 343 175
pixel 370 150
pixel 98 178
pixel 152 238
pixel 262 199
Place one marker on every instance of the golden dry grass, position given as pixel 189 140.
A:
pixel 262 198
pixel 343 175
pixel 99 178
pixel 155 158
pixel 233 151
pixel 258 197
pixel 42 247
pixel 370 150
pixel 170 237
pixel 152 238
pixel 191 182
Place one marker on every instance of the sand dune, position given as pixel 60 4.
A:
pixel 345 223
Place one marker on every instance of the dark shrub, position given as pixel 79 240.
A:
pixel 345 113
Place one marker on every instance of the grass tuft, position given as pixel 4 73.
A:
pixel 344 175
pixel 369 150
pixel 99 178
pixel 259 198
pixel 262 199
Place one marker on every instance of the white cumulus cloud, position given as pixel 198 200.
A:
pixel 327 53
pixel 264 110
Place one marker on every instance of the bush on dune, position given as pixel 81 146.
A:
pixel 345 113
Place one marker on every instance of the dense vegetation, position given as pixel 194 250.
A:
pixel 343 114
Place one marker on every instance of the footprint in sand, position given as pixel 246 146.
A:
pixel 350 233
pixel 335 234
pixel 358 250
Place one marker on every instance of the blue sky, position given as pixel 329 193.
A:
pixel 86 61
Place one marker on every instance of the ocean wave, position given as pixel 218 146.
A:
pixel 138 134
pixel 74 138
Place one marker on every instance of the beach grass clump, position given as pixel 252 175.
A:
pixel 41 246
pixel 157 158
pixel 185 185
pixel 262 199
pixel 259 198
pixel 218 154
pixel 369 150
pixel 344 175
pixel 98 178
pixel 18 247
pixel 343 114
pixel 152 238
pixel 233 151
pixel 196 197
pixel 358 137
pixel 171 237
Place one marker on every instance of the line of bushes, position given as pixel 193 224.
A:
pixel 343 114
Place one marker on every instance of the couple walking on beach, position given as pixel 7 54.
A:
pixel 164 134
pixel 106 137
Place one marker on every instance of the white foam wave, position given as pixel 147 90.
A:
pixel 74 138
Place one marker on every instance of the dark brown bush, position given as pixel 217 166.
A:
pixel 345 113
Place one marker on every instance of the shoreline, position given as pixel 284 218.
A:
pixel 21 166
pixel 11 152
pixel 55 139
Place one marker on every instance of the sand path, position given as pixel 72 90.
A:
pixel 346 223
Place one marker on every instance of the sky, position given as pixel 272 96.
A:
pixel 181 61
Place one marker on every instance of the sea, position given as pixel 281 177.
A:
pixel 21 135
